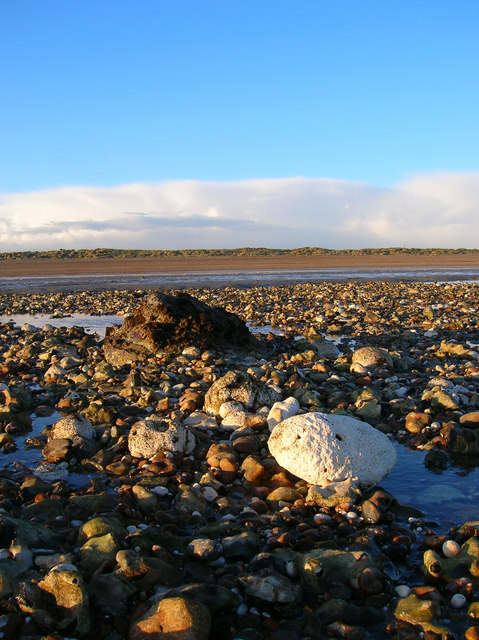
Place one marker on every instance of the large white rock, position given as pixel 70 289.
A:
pixel 152 435
pixel 323 448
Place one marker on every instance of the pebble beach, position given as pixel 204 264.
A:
pixel 100 540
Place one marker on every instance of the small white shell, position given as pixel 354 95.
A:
pixel 450 548
pixel 403 590
pixel 458 601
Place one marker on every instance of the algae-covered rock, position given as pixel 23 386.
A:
pixel 189 499
pixel 320 566
pixel 461 440
pixel 111 593
pixel 100 526
pixel 414 608
pixel 7 584
pixel 93 503
pixel 31 533
pixel 338 609
pixel 464 564
pixel 214 596
pixel 98 551
pixel 423 607
pixel 240 546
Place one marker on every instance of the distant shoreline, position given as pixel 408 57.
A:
pixel 125 266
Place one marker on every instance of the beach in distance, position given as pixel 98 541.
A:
pixel 39 267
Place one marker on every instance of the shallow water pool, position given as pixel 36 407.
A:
pixel 92 324
pixel 447 497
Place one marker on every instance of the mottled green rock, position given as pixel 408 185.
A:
pixel 7 584
pixel 93 503
pixel 465 564
pixel 243 545
pixel 462 439
pixel 100 526
pixel 47 509
pixel 188 499
pixel 111 593
pixel 98 551
pixel 146 500
pixel 415 609
pixel 319 566
pixel 31 533
pixel 214 596
pixel 337 609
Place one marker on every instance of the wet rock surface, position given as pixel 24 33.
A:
pixel 209 536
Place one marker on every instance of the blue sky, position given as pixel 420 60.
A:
pixel 99 97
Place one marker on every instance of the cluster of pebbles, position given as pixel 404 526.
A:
pixel 206 536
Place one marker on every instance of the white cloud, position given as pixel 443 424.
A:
pixel 425 211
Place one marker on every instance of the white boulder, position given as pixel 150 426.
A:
pixel 281 411
pixel 323 448
pixel 71 427
pixel 152 435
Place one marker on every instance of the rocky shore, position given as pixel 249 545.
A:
pixel 185 526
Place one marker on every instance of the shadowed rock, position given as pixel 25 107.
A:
pixel 164 322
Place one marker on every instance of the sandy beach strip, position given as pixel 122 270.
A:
pixel 125 266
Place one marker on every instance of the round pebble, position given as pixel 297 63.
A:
pixel 458 601
pixel 402 590
pixel 450 548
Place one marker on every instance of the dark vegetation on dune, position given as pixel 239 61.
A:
pixel 103 253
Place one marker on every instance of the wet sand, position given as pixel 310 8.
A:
pixel 19 268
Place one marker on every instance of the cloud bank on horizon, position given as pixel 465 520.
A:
pixel 430 210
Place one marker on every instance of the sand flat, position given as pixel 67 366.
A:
pixel 19 268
